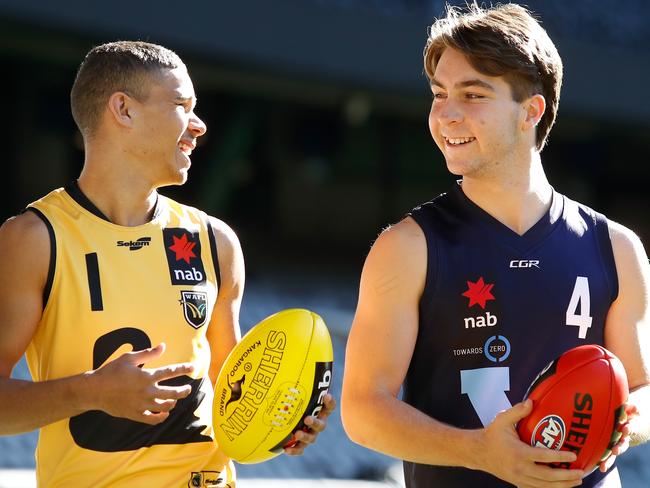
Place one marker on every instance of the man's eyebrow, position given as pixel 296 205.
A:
pixel 466 83
pixel 183 99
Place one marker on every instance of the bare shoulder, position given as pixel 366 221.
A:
pixel 24 260
pixel 405 236
pixel 224 234
pixel 629 253
pixel 25 236
pixel 397 263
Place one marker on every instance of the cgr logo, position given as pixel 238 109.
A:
pixel 549 432
pixel 524 263
pixel 135 245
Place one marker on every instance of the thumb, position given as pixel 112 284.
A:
pixel 146 355
pixel 518 411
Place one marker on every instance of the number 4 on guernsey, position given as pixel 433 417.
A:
pixel 580 297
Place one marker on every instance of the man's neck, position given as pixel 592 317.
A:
pixel 518 199
pixel 123 201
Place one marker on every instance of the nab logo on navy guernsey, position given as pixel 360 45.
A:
pixel 183 250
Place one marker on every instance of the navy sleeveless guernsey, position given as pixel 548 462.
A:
pixel 496 308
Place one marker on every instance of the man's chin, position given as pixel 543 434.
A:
pixel 175 180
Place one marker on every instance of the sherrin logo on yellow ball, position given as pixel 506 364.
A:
pixel 278 374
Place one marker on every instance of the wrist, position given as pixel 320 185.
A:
pixel 473 449
pixel 84 392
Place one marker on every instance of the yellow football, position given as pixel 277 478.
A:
pixel 277 375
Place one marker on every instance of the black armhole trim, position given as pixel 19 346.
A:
pixel 422 216
pixel 213 251
pixel 604 243
pixel 52 266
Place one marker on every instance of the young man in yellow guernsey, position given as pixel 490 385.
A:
pixel 105 276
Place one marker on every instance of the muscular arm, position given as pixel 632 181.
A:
pixel 627 329
pixel 379 350
pixel 24 260
pixel 120 387
pixel 224 332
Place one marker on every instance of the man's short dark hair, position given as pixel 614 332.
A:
pixel 126 66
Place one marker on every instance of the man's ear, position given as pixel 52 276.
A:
pixel 534 108
pixel 122 109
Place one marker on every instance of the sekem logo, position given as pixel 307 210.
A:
pixel 135 245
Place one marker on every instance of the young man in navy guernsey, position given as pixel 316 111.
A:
pixel 105 276
pixel 466 299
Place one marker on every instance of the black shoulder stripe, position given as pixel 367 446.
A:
pixel 50 272
pixel 215 254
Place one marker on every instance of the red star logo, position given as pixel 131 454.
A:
pixel 183 248
pixel 479 292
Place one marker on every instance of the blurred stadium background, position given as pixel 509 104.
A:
pixel 317 138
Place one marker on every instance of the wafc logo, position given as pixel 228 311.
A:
pixel 195 307
pixel 183 250
pixel 549 432
pixel 479 293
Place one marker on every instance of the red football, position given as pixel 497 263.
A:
pixel 578 402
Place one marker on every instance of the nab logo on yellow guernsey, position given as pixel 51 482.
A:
pixel 183 250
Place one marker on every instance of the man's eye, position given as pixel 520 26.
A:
pixel 439 96
pixel 474 96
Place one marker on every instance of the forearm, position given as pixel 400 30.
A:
pixel 27 405
pixel 390 426
pixel 640 425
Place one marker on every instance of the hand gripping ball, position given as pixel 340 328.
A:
pixel 277 375
pixel 578 404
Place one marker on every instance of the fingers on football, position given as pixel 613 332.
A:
pixel 172 392
pixel 317 424
pixel 543 455
pixel 146 355
pixel 297 450
pixel 329 405
pixel 542 473
pixel 172 371
pixel 153 418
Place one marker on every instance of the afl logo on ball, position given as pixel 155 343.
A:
pixel 549 432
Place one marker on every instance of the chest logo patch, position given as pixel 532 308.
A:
pixel 479 293
pixel 195 307
pixel 183 250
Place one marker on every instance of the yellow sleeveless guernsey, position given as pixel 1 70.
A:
pixel 114 289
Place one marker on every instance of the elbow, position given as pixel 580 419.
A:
pixel 355 417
